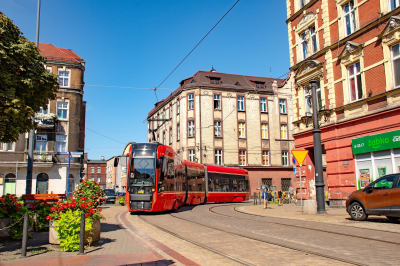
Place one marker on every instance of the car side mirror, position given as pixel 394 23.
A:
pixel 116 161
pixel 369 189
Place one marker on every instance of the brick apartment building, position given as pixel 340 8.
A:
pixel 96 170
pixel 231 120
pixel 351 48
pixel 61 128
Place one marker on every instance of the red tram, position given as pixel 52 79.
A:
pixel 159 180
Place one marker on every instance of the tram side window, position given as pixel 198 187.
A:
pixel 227 183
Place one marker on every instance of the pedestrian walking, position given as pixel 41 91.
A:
pixel 280 197
pixel 265 190
pixel 291 193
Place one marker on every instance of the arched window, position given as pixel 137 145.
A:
pixel 9 184
pixel 42 183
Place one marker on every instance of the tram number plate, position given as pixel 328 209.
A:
pixel 140 191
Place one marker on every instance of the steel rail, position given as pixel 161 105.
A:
pixel 251 238
pixel 197 244
pixel 309 228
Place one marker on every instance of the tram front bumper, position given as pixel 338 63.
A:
pixel 140 201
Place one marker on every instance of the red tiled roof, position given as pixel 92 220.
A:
pixel 227 82
pixel 53 53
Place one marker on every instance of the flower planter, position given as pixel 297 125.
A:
pixel 3 223
pixel 53 235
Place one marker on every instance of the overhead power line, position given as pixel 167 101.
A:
pixel 197 45
pixel 105 136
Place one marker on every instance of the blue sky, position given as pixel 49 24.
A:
pixel 138 43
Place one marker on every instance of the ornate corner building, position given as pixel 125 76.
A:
pixel 352 49
pixel 231 120
pixel 60 129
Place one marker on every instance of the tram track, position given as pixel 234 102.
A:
pixel 196 243
pixel 269 241
pixel 309 228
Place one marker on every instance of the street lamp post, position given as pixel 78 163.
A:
pixel 319 175
pixel 31 139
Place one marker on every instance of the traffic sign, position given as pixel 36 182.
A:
pixel 77 152
pixel 299 155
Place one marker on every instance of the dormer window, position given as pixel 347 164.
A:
pixel 260 85
pixel 214 80
pixel 237 84
pixel 193 81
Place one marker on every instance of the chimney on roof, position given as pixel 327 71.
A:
pixel 212 69
pixel 102 158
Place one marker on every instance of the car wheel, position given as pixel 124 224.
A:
pixel 357 212
pixel 392 218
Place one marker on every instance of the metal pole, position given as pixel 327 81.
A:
pixel 82 236
pixel 25 235
pixel 319 175
pixel 301 193
pixel 31 136
pixel 69 172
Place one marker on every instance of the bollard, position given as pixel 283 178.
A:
pixel 82 236
pixel 25 235
pixel 255 198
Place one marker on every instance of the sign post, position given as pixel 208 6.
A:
pixel 300 156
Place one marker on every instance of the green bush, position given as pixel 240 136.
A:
pixel 68 229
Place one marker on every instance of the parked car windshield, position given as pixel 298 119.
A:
pixel 109 192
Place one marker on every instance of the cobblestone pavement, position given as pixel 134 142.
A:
pixel 334 216
pixel 118 246
pixel 334 243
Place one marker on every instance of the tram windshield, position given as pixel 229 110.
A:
pixel 144 168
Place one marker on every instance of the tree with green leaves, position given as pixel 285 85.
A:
pixel 25 85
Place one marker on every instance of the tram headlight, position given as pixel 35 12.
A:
pixel 153 189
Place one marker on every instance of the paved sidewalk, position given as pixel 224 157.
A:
pixel 120 244
pixel 333 216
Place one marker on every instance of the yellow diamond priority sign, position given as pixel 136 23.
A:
pixel 299 155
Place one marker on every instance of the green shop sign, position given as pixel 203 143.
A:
pixel 379 142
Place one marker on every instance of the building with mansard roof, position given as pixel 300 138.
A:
pixel 231 120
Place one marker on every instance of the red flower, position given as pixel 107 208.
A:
pixel 73 205
pixel 100 210
pixel 90 203
pixel 53 209
pixel 48 218
pixel 87 215
pixel 83 206
pixel 4 208
pixel 61 208
pixel 91 210
pixel 17 209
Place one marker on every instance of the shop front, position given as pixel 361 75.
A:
pixel 376 156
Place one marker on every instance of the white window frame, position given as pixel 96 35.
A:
pixel 191 101
pixel 61 81
pixel 242 155
pixel 284 133
pixel 63 108
pixel 164 138
pixel 177 107
pixel 303 3
pixel 285 158
pixel 264 131
pixel 98 170
pixel 265 154
pixel 393 59
pixel 192 155
pixel 92 178
pixel 352 17
pixel 395 2
pixel 217 129
pixel 217 99
pixel 218 157
pixel 191 128
pixel 308 42
pixel 7 147
pixel 263 105
pixel 178 132
pixel 354 76
pixel 242 130
pixel 92 170
pixel 62 141
pixel 41 139
pixel 98 179
pixel 282 106
pixel 240 103
pixel 170 135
